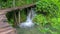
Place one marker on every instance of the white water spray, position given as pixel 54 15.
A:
pixel 28 23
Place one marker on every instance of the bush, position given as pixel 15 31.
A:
pixel 48 12
pixel 15 3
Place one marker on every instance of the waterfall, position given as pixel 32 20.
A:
pixel 28 23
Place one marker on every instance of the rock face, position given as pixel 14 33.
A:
pixel 5 28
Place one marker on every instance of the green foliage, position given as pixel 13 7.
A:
pixel 40 19
pixel 11 3
pixel 48 6
pixel 6 4
pixel 48 13
pixel 10 19
pixel 23 16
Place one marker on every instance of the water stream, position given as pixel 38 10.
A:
pixel 28 27
pixel 28 23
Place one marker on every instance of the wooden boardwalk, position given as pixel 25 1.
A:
pixel 5 28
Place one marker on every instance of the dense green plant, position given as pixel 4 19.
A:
pixel 48 12
pixel 11 3
pixel 23 16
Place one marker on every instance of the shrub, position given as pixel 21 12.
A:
pixel 49 11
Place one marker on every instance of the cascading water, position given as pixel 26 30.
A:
pixel 28 27
pixel 28 23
